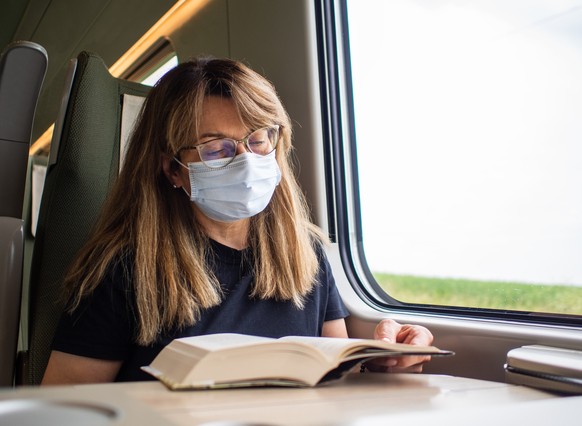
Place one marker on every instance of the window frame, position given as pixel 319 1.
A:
pixel 340 154
pixel 159 52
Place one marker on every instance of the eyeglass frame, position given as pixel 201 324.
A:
pixel 244 141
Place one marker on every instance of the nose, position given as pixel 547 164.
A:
pixel 240 147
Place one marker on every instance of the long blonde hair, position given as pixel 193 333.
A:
pixel 145 218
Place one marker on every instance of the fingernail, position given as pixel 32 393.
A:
pixel 391 362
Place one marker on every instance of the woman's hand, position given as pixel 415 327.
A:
pixel 391 331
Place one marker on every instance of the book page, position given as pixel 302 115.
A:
pixel 346 348
pixel 215 342
pixel 333 348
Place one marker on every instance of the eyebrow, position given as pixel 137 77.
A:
pixel 219 135
pixel 212 135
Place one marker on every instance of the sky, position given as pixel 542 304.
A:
pixel 469 139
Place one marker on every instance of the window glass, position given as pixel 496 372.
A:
pixel 469 152
pixel 157 60
pixel 158 70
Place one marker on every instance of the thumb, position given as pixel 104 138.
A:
pixel 387 330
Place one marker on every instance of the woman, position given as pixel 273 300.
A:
pixel 204 231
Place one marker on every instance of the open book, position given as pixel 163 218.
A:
pixel 236 360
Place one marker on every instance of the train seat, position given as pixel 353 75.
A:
pixel 83 163
pixel 23 67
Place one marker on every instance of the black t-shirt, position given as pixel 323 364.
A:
pixel 104 326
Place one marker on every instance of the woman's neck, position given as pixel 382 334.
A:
pixel 230 234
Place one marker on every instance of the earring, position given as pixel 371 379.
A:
pixel 174 185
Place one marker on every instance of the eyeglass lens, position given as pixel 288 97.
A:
pixel 261 142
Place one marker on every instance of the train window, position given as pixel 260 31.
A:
pixel 159 70
pixel 466 123
pixel 153 64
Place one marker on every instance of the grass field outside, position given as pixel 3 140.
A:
pixel 556 299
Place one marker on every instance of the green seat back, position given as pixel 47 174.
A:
pixel 83 164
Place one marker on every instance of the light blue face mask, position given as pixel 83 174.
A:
pixel 237 191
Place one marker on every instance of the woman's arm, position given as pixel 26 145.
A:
pixel 334 328
pixel 64 368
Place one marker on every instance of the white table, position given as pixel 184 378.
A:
pixel 359 399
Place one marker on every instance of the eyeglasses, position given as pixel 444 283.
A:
pixel 219 152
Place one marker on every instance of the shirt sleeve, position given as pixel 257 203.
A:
pixel 103 324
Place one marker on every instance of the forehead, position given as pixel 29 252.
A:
pixel 220 117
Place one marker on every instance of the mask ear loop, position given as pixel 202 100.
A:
pixel 186 192
pixel 180 163
pixel 187 168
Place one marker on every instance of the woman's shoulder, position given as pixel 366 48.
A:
pixel 319 246
pixel 119 273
